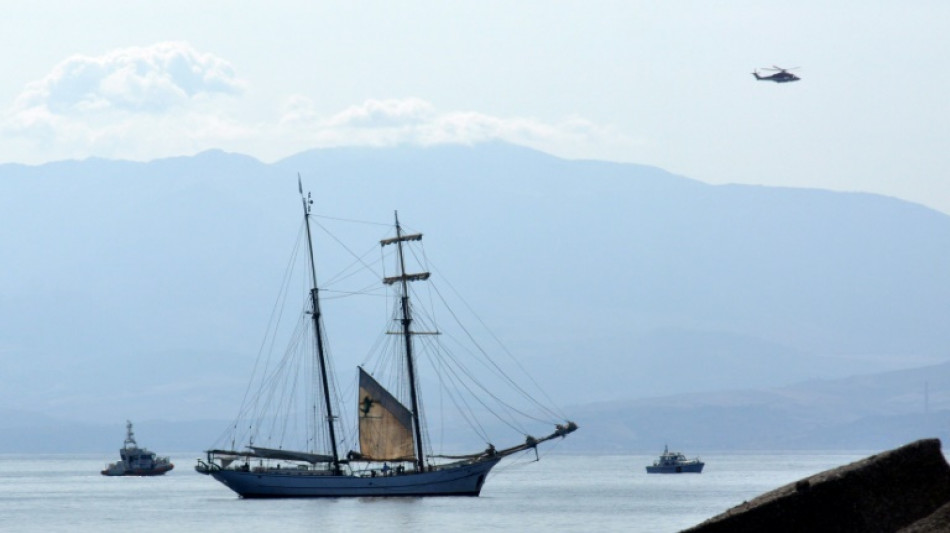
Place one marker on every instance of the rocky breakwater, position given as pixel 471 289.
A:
pixel 902 490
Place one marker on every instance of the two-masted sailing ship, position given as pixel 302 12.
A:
pixel 393 459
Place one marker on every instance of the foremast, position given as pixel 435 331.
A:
pixel 318 332
pixel 406 319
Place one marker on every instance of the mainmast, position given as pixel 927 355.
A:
pixel 318 337
pixel 406 320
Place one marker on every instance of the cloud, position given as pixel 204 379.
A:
pixel 415 121
pixel 149 79
pixel 170 99
pixel 384 114
pixel 114 105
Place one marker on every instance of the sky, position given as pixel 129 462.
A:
pixel 659 83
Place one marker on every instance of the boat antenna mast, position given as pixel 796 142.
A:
pixel 406 321
pixel 318 332
pixel 129 436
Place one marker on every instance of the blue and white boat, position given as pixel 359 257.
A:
pixel 394 457
pixel 675 463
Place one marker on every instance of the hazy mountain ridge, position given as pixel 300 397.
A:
pixel 141 290
pixel 860 412
pixel 868 412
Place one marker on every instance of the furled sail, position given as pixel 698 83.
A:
pixel 271 453
pixel 385 424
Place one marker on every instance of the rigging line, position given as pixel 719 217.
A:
pixel 254 411
pixel 313 400
pixel 369 290
pixel 493 366
pixel 350 420
pixel 310 407
pixel 271 325
pixel 513 383
pixel 425 259
pixel 275 392
pixel 358 258
pixel 498 372
pixel 276 382
pixel 501 403
pixel 500 344
pixel 523 459
pixel 374 357
pixel 441 447
pixel 373 350
pixel 549 449
pixel 504 415
pixel 266 377
pixel 388 293
pixel 467 412
pixel 303 407
pixel 464 385
pixel 424 262
pixel 334 386
pixel 332 395
pixel 424 429
pixel 354 221
pixel 272 330
pixel 424 418
pixel 288 396
pixel 287 356
pixel 351 270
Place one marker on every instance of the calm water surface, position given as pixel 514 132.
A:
pixel 52 493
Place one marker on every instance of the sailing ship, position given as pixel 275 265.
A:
pixel 393 459
pixel 137 461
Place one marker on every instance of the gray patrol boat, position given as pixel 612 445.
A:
pixel 137 461
pixel 675 463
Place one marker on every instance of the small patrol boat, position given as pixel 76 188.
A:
pixel 675 463
pixel 137 461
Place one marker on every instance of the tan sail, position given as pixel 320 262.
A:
pixel 385 424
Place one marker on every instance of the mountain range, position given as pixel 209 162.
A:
pixel 870 412
pixel 141 289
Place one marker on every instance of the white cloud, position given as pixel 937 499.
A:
pixel 415 121
pixel 167 95
pixel 384 114
pixel 141 79
pixel 169 99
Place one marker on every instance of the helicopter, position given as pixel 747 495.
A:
pixel 781 76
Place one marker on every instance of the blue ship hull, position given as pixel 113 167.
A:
pixel 461 480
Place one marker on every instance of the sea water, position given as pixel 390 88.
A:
pixel 53 493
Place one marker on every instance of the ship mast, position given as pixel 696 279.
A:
pixel 318 332
pixel 406 320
